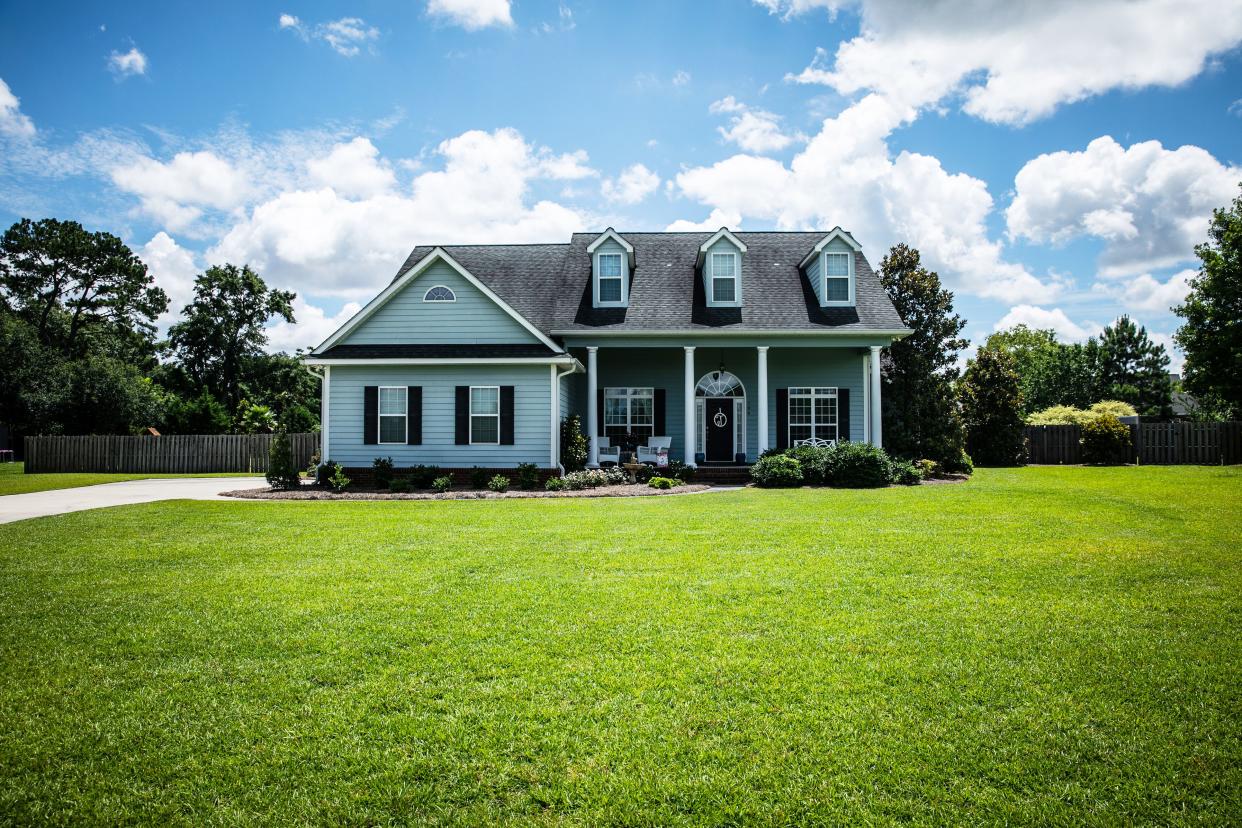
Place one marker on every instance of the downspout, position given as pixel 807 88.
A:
pixel 556 412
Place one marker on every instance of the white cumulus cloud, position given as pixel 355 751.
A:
pixel 1048 319
pixel 472 14
pixel 1012 63
pixel 754 130
pixel 125 64
pixel 175 192
pixel 634 184
pixel 353 169
pixel 1149 205
pixel 12 121
pixel 1146 293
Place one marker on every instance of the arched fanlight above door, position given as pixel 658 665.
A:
pixel 719 384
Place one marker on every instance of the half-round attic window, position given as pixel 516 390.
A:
pixel 439 293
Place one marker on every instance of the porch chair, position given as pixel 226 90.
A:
pixel 608 453
pixel 650 453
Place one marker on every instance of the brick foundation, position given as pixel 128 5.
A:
pixel 364 478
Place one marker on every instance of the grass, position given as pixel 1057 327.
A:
pixel 13 479
pixel 1037 646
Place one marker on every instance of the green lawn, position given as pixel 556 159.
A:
pixel 14 481
pixel 1037 646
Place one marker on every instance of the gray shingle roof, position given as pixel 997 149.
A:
pixel 550 285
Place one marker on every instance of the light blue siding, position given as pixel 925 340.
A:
pixel 664 368
pixel 722 245
pixel 472 319
pixel 531 415
pixel 611 246
pixel 814 273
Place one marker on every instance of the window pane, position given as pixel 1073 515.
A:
pixel 641 411
pixel 392 430
pixel 799 432
pixel 610 290
pixel 838 290
pixel 724 290
pixel 439 293
pixel 825 410
pixel 610 265
pixel 838 264
pixel 392 401
pixel 485 429
pixel 722 265
pixel 484 400
pixel 615 410
pixel 800 410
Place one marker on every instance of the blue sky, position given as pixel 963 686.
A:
pixel 1054 162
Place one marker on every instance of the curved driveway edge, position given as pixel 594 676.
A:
pixel 60 501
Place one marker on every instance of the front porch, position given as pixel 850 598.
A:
pixel 722 405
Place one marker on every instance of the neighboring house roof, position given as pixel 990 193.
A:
pixel 436 351
pixel 550 285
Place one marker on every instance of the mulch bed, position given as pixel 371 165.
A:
pixel 312 493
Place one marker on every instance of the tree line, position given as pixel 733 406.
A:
pixel 81 355
pixel 932 410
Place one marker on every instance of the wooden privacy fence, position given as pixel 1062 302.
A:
pixel 1205 444
pixel 168 454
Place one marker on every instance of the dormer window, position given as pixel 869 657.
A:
pixel 837 277
pixel 612 261
pixel 611 278
pixel 724 277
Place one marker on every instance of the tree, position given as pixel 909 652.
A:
pixel 108 396
pixel 920 417
pixel 1134 369
pixel 83 292
pixel 1212 334
pixel 223 327
pixel 33 379
pixel 991 398
pixel 282 473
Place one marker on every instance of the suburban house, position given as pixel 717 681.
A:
pixel 702 347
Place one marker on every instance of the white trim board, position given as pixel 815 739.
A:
pixel 834 233
pixel 562 359
pixel 437 254
pixel 722 233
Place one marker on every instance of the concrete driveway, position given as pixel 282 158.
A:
pixel 60 501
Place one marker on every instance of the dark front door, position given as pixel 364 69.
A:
pixel 719 415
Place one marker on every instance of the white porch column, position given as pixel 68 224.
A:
pixel 592 409
pixel 762 445
pixel 689 405
pixel 876 435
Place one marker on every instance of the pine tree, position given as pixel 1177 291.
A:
pixel 991 399
pixel 920 416
pixel 1134 369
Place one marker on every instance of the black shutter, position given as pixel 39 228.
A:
pixel 660 421
pixel 414 413
pixel 843 413
pixel 599 412
pixel 782 418
pixel 461 415
pixel 370 415
pixel 506 415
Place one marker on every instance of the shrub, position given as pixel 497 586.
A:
pixel 904 473
pixel 593 478
pixel 573 444
pixel 771 452
pixel 1117 408
pixel 928 468
pixel 527 476
pixel 962 464
pixel 399 485
pixel 323 473
pixel 857 466
pixel 663 482
pixel 680 470
pixel 1105 440
pixel 281 472
pixel 421 477
pixel 498 483
pixel 1057 415
pixel 814 460
pixel 615 476
pixel 338 481
pixel 776 470
pixel 442 483
pixel 991 398
pixel 555 484
pixel 644 474
pixel 381 470
pixel 478 478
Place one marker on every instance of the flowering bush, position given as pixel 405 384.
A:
pixel 498 483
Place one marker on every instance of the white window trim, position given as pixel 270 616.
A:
pixel 379 416
pixel 816 391
pixel 629 409
pixel 470 413
pixel 740 425
pixel 823 277
pixel 736 278
pixel 625 291
pixel 452 293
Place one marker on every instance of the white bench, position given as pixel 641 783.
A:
pixel 817 442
